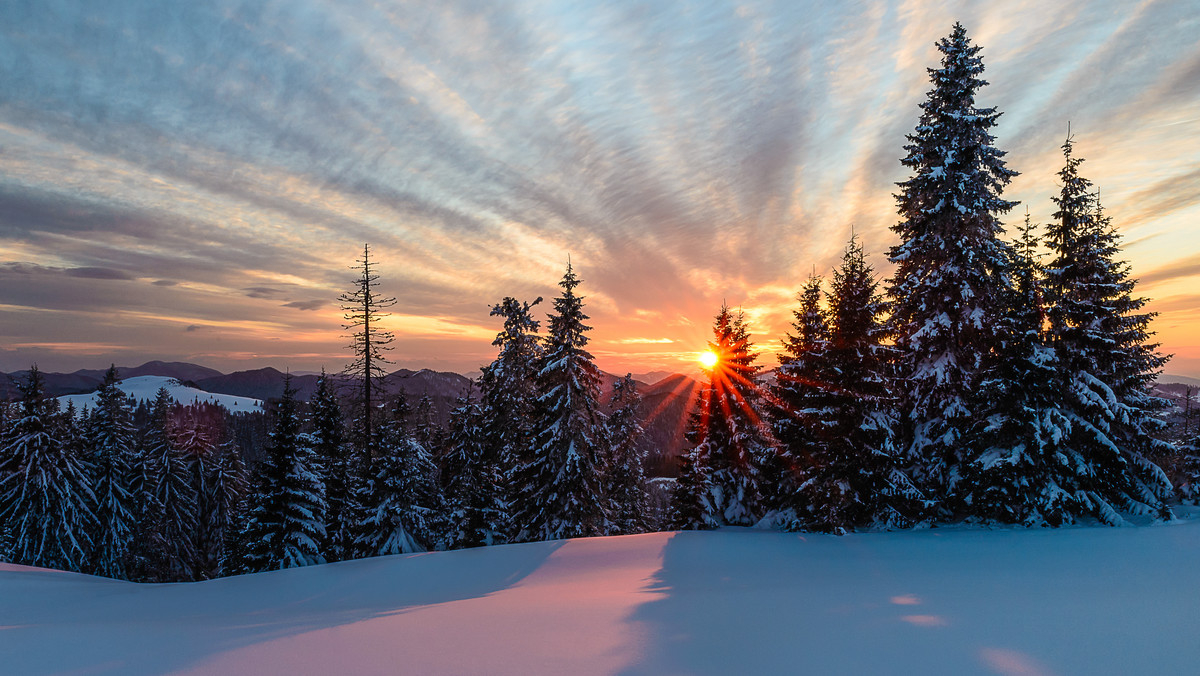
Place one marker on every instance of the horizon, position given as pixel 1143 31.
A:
pixel 193 183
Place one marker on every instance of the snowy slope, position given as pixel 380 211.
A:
pixel 1072 601
pixel 144 388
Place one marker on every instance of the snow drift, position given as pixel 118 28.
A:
pixel 1072 601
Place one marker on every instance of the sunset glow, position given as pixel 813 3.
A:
pixel 194 187
pixel 708 359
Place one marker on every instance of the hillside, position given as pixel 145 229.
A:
pixel 1071 601
pixel 145 388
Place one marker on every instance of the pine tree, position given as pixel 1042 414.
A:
pixel 720 479
pixel 227 487
pixel 45 499
pixel 797 399
pixel 1023 475
pixel 471 481
pixel 1106 362
pixel 626 476
pixel 328 442
pixel 855 480
pixel 286 525
pixel 173 501
pixel 110 444
pixel 559 490
pixel 947 291
pixel 401 503
pixel 425 428
pixel 508 391
pixel 364 310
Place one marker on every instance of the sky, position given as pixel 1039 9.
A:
pixel 194 181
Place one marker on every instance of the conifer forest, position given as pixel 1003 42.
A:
pixel 999 374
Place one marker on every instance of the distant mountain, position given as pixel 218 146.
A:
pixel 1167 379
pixel 653 376
pixel 179 370
pixel 666 405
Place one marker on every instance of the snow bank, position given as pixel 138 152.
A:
pixel 1072 601
pixel 144 388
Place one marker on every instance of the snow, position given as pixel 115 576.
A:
pixel 144 388
pixel 1088 600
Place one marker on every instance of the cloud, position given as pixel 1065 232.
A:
pixel 1179 268
pixel 306 304
pixel 99 273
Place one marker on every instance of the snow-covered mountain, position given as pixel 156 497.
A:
pixel 144 388
pixel 735 601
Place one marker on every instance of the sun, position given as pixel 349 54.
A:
pixel 708 359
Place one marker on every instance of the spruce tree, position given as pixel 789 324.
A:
pixel 45 497
pixel 855 479
pixel 286 524
pixel 173 492
pixel 1105 360
pixel 110 443
pixel 559 489
pixel 1023 474
pixel 508 392
pixel 947 291
pixel 328 442
pixel 401 501
pixel 625 478
pixel 720 479
pixel 798 398
pixel 471 481
pixel 225 505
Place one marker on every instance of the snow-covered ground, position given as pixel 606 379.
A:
pixel 145 388
pixel 1072 601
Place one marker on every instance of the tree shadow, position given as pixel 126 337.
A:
pixel 66 623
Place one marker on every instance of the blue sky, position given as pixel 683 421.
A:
pixel 192 180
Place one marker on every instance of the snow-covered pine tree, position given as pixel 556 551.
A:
pixel 401 501
pixel 174 494
pixel 1023 473
pixel 720 479
pixel 1106 362
pixel 797 399
pixel 559 489
pixel 855 478
pixel 328 442
pixel 947 291
pixel 471 481
pixel 110 443
pixel 225 506
pixel 625 479
pixel 45 497
pixel 424 425
pixel 286 524
pixel 508 392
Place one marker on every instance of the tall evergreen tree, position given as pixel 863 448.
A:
pixel 508 390
pixel 286 525
pixel 471 481
pixel 1024 473
pixel 559 490
pixel 225 500
pixel 364 310
pixel 1106 362
pixel 173 492
pixel 855 478
pixel 328 442
pixel 720 480
pixel 625 478
pixel 110 443
pixel 401 501
pixel 797 399
pixel 45 497
pixel 947 291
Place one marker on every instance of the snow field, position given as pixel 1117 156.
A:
pixel 737 601
pixel 144 388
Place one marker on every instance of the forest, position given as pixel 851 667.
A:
pixel 991 379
